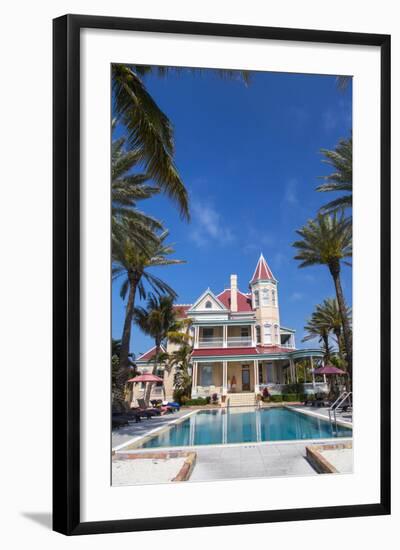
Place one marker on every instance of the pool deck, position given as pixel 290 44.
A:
pixel 236 461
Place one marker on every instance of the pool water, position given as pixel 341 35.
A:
pixel 245 426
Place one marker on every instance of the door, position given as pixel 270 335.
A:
pixel 245 378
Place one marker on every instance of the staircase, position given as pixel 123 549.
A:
pixel 243 399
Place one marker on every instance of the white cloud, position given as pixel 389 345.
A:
pixel 296 296
pixel 208 226
pixel 290 194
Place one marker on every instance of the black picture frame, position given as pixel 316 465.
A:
pixel 66 271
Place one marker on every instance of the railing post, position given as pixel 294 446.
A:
pixel 224 377
pixel 194 379
pixel 256 377
pixel 224 336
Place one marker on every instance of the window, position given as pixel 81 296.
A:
pixel 208 304
pixel 267 334
pixel 258 335
pixel 206 375
pixel 273 298
pixel 256 299
pixel 276 334
pixel 244 332
pixel 208 332
pixel 265 296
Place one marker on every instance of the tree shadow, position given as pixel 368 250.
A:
pixel 45 519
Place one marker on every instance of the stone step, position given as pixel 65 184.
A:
pixel 242 399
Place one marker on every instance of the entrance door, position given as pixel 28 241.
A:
pixel 245 378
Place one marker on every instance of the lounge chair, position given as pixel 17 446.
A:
pixel 153 411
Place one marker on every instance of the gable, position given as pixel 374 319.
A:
pixel 208 303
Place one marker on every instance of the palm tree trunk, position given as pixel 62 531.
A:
pixel 335 272
pixel 154 371
pixel 325 339
pixel 124 362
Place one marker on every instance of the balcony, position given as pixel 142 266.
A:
pixel 233 342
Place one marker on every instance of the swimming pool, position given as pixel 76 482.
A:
pixel 244 426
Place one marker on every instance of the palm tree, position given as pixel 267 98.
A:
pixel 327 240
pixel 157 319
pixel 315 328
pixel 180 359
pixel 329 314
pixel 149 132
pixel 127 189
pixel 134 266
pixel 341 159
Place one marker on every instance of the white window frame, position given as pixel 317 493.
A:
pixel 267 333
pixel 256 298
pixel 265 296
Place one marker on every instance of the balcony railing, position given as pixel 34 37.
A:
pixel 239 342
pixel 218 342
pixel 211 342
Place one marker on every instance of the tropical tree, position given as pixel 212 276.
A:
pixel 327 240
pixel 180 359
pixel 315 328
pixel 127 188
pixel 149 132
pixel 134 266
pixel 118 389
pixel 157 319
pixel 341 160
pixel 328 314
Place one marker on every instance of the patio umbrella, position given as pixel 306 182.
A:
pixel 147 378
pixel 329 370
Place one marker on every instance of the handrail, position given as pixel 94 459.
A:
pixel 335 406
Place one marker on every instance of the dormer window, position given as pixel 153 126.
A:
pixel 208 305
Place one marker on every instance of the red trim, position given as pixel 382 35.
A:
pixel 149 354
pixel 223 351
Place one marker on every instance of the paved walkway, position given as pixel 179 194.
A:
pixel 324 412
pixel 123 435
pixel 246 461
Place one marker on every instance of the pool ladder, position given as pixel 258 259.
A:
pixel 343 397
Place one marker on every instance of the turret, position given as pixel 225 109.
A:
pixel 264 293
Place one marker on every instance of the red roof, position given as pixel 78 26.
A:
pixel 273 349
pixel 259 350
pixel 149 354
pixel 243 300
pixel 262 271
pixel 182 309
pixel 223 351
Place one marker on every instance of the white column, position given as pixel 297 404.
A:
pixel 312 371
pixel 225 336
pixel 253 335
pixel 224 377
pixel 196 336
pixel 256 377
pixel 194 379
pixel 292 370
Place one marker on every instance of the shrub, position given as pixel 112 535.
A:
pixel 291 397
pixel 199 401
pixel 265 393
pixel 275 398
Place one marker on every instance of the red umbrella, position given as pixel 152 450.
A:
pixel 147 377
pixel 329 369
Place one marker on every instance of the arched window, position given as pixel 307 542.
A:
pixel 265 296
pixel 273 298
pixel 258 334
pixel 256 299
pixel 208 304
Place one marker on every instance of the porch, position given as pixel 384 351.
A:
pixel 247 375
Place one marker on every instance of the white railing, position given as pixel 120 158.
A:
pixel 211 342
pixel 239 342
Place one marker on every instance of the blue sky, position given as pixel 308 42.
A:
pixel 249 157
